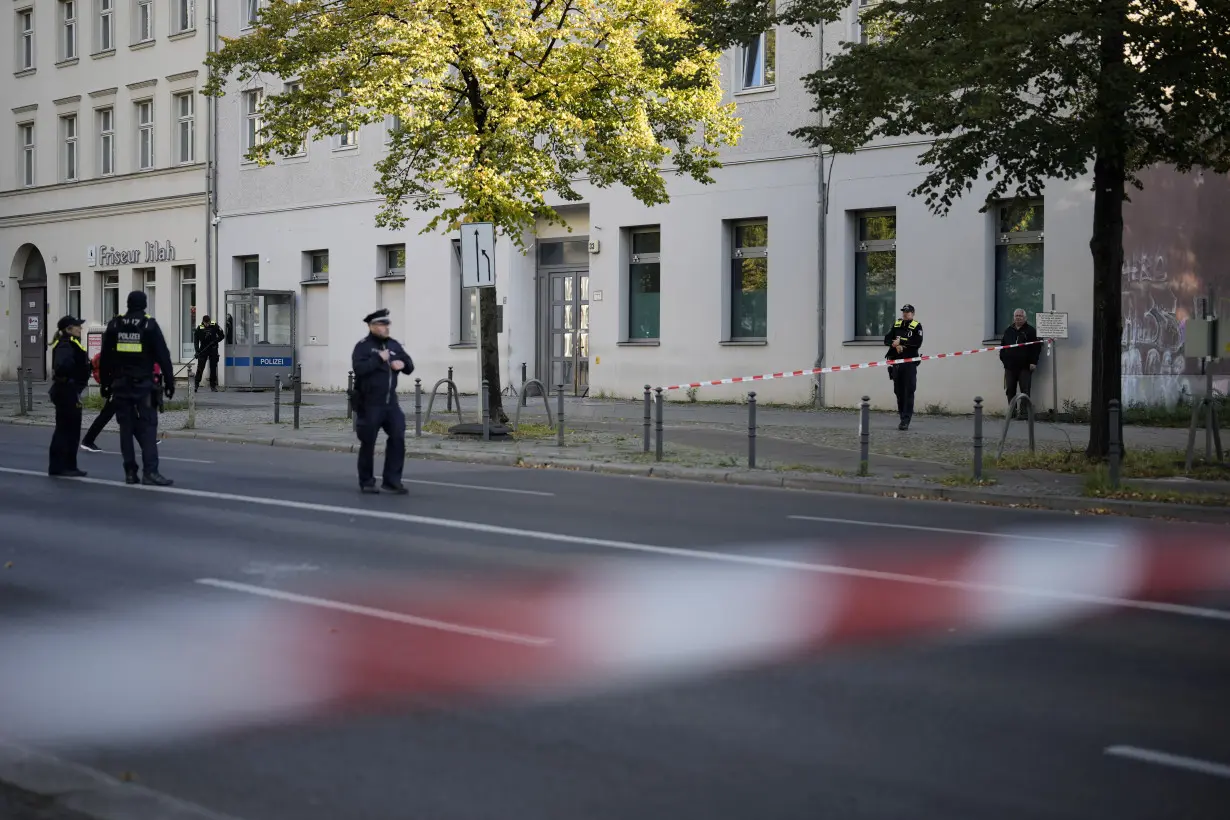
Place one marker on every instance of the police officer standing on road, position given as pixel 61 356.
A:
pixel 207 339
pixel 904 342
pixel 132 345
pixel 377 361
pixel 70 376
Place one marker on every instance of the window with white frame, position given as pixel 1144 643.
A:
pixel 68 129
pixel 873 30
pixel 185 275
pixel 25 44
pixel 25 139
pixel 467 301
pixel 252 101
pixel 875 273
pixel 143 21
pixel 317 266
pixel 645 285
pixel 147 280
pixel 302 148
pixel 72 294
pixel 185 128
pixel 394 260
pixel 392 125
pixel 106 25
pixel 251 11
pixel 145 135
pixel 1019 250
pixel 749 280
pixel 759 59
pixel 109 307
pixel 68 20
pixel 106 141
pixel 183 16
pixel 347 141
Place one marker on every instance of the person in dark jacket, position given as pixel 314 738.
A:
pixel 377 361
pixel 1019 362
pixel 207 340
pixel 70 376
pixel 904 342
pixel 131 346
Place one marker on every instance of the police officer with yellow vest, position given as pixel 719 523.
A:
pixel 904 342
pixel 70 366
pixel 131 346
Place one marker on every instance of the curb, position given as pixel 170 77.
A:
pixel 88 793
pixel 1097 506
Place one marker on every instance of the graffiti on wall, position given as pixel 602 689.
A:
pixel 1174 252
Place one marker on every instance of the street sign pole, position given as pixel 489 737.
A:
pixel 478 271
pixel 1051 326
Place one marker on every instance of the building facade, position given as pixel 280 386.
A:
pixel 103 190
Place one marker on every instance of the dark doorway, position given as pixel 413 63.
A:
pixel 34 315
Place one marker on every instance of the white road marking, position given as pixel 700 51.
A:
pixel 161 457
pixel 482 487
pixel 948 531
pixel 383 614
pixel 1191 764
pixel 677 552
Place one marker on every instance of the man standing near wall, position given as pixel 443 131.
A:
pixel 1019 362
pixel 904 342
pixel 207 338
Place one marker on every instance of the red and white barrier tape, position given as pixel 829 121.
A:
pixel 812 371
pixel 176 669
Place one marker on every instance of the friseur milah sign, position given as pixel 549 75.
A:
pixel 106 256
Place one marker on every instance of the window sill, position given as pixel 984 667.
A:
pixel 391 277
pixel 71 61
pixel 751 92
pixel 137 46
pixel 463 346
pixel 744 343
pixel 640 343
pixel 345 148
pixel 182 35
pixel 98 55
pixel 310 282
pixel 25 72
pixel 863 343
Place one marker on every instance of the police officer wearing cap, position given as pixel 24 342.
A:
pixel 132 345
pixel 377 361
pixel 904 342
pixel 70 376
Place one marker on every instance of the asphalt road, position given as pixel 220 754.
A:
pixel 1015 727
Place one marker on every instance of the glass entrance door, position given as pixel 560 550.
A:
pixel 569 331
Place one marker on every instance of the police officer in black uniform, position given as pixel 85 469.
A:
pixel 904 342
pixel 131 345
pixel 206 339
pixel 377 361
pixel 70 376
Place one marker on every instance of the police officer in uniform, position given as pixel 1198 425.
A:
pixel 904 342
pixel 206 339
pixel 70 376
pixel 377 361
pixel 132 345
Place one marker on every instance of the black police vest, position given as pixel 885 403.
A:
pixel 133 360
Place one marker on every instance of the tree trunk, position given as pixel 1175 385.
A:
pixel 1106 244
pixel 491 356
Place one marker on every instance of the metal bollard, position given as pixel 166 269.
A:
pixel 658 426
pixel 30 389
pixel 450 391
pixel 864 435
pixel 191 396
pixel 21 393
pixel 277 399
pixel 978 438
pixel 486 413
pixel 751 430
pixel 418 408
pixel 298 391
pixel 1115 444
pixel 524 379
pixel 648 416
pixel 349 390
pixel 559 415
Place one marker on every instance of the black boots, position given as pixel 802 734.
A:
pixel 130 477
pixel 156 480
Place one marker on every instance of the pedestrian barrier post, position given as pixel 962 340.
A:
pixel 524 379
pixel 418 408
pixel 559 416
pixel 452 387
pixel 486 413
pixel 978 438
pixel 298 392
pixel 21 393
pixel 191 394
pixel 277 398
pixel 1115 444
pixel 658 426
pixel 349 389
pixel 751 430
pixel 30 389
pixel 864 435
pixel 450 390
pixel 648 416
pixel 546 403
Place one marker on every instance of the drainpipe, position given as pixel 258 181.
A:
pixel 823 207
pixel 211 169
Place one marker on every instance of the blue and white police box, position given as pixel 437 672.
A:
pixel 260 330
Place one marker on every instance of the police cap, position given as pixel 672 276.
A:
pixel 69 321
pixel 380 317
pixel 907 308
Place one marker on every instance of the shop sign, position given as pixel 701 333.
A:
pixel 108 255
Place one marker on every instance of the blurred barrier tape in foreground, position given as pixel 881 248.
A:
pixel 241 656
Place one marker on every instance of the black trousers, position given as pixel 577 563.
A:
pixel 212 358
pixel 104 417
pixel 138 418
pixel 904 384
pixel 390 419
pixel 67 436
pixel 1014 379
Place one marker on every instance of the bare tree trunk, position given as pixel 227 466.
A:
pixel 491 356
